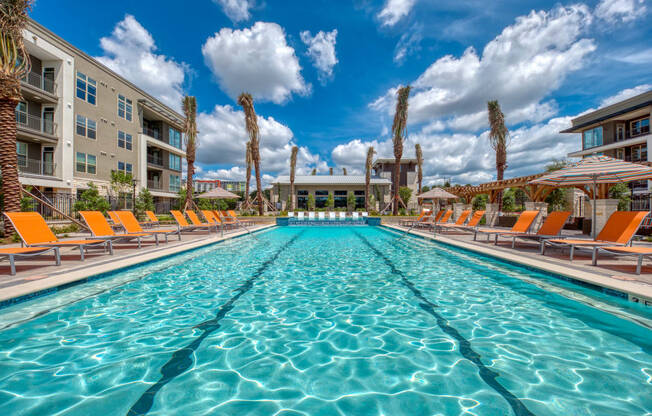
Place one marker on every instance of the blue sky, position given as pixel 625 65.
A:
pixel 324 73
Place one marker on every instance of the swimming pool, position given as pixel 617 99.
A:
pixel 325 321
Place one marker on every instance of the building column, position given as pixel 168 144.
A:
pixel 491 214
pixel 542 207
pixel 458 207
pixel 603 210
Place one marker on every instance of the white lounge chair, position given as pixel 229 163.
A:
pixel 322 216
pixel 331 215
pixel 354 215
pixel 311 215
pixel 365 214
pixel 300 215
pixel 342 215
pixel 291 214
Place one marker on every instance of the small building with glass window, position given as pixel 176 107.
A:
pixel 620 130
pixel 337 186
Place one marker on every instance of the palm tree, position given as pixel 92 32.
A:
pixel 498 135
pixel 293 168
pixel 344 171
pixel 399 127
pixel 314 172
pixel 248 168
pixel 251 123
pixel 14 65
pixel 367 178
pixel 419 153
pixel 190 128
pixel 331 171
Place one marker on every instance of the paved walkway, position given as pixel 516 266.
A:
pixel 39 273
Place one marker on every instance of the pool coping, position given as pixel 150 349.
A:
pixel 634 292
pixel 61 279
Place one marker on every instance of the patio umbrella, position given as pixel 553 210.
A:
pixel 595 170
pixel 436 194
pixel 218 193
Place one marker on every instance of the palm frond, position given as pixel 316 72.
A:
pixel 419 154
pixel 14 59
pixel 399 129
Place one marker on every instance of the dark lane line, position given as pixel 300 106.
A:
pixel 181 359
pixel 489 376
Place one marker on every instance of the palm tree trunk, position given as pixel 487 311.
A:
pixel 9 161
pixel 291 195
pixel 189 187
pixel 397 174
pixel 259 184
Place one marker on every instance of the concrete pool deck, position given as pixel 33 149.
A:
pixel 38 274
pixel 617 273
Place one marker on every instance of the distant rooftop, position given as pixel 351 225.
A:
pixel 404 161
pixel 331 180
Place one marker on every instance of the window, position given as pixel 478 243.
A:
pixel 125 167
pixel 86 127
pixel 86 163
pixel 175 162
pixel 175 138
pixel 125 107
pixel 639 127
pixel 21 150
pixel 321 197
pixel 620 154
pixel 125 140
pixel 302 199
pixel 339 199
pixel 86 88
pixel 592 138
pixel 620 132
pixel 175 183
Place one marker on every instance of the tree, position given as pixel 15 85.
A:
pixel 480 202
pixel 293 168
pixel 508 200
pixel 367 177
pixel 405 193
pixel 344 171
pixel 419 153
pixel 26 201
pixel 181 198
pixel 330 202
pixel 425 189
pixel 557 199
pixel 498 135
pixel 330 171
pixel 91 200
pixel 14 65
pixel 350 201
pixel 399 127
pixel 311 202
pixel 251 124
pixel 623 194
pixel 145 202
pixel 190 129
pixel 248 163
pixel 121 184
pixel 314 172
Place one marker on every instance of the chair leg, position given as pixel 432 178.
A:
pixel 57 256
pixel 543 248
pixel 81 252
pixel 110 244
pixel 138 240
pixel 594 257
pixel 572 251
pixel 12 265
pixel 639 264
pixel 513 242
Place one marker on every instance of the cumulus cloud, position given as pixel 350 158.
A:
pixel 408 44
pixel 321 49
pixel 131 52
pixel 614 11
pixel 257 60
pixel 394 11
pixel 236 10
pixel 625 94
pixel 520 68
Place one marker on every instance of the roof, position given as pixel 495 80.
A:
pixel 332 180
pixel 614 110
pixel 437 193
pixel 219 193
pixel 404 161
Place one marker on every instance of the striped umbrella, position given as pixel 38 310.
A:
pixel 595 170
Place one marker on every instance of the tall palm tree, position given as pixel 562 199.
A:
pixel 399 127
pixel 367 178
pixel 14 65
pixel 419 153
pixel 251 124
pixel 248 163
pixel 330 171
pixel 498 135
pixel 293 168
pixel 314 172
pixel 344 171
pixel 190 129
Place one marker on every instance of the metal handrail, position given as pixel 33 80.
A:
pixel 155 160
pixel 35 166
pixel 152 133
pixel 36 80
pixel 152 184
pixel 35 123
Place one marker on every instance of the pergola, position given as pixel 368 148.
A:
pixel 536 193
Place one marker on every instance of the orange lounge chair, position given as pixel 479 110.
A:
pixel 443 219
pixel 523 224
pixel 458 223
pixel 618 231
pixel 100 228
pixel 550 228
pixel 226 218
pixel 34 232
pixel 473 222
pixel 114 219
pixel 129 221
pixel 19 252
pixel 183 224
pixel 233 215
pixel 211 217
pixel 638 252
pixel 194 218
pixel 152 217
pixel 425 214
pixel 224 221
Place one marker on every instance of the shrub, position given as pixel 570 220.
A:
pixel 144 202
pixel 311 202
pixel 405 193
pixel 350 201
pixel 91 200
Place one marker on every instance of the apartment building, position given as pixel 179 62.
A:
pixel 384 168
pixel 204 185
pixel 80 121
pixel 622 131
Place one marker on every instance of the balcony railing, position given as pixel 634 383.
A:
pixel 154 184
pixel 155 160
pixel 36 80
pixel 153 133
pixel 175 188
pixel 35 123
pixel 36 167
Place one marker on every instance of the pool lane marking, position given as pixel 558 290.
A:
pixel 488 376
pixel 181 359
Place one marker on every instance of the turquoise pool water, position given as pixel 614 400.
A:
pixel 325 321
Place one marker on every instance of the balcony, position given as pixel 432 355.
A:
pixel 154 184
pixel 152 133
pixel 35 123
pixel 43 84
pixel 155 160
pixel 36 167
pixel 175 188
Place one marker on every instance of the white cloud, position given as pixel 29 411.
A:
pixel 236 10
pixel 394 11
pixel 408 44
pixel 625 94
pixel 257 60
pixel 130 51
pixel 519 68
pixel 321 49
pixel 614 11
